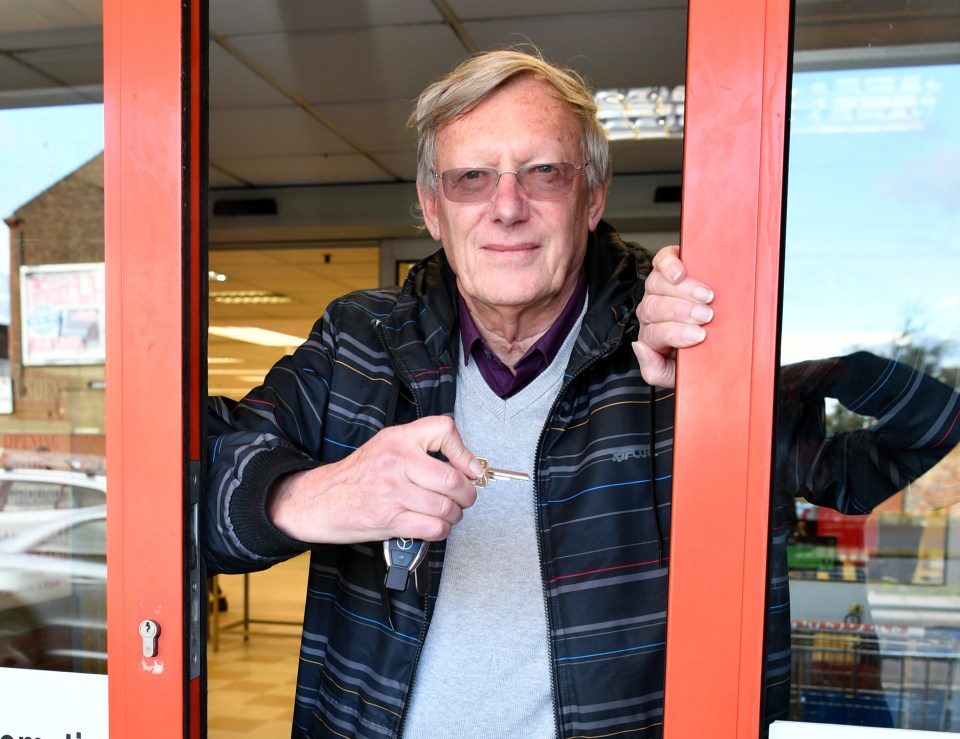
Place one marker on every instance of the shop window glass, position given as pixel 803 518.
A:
pixel 52 442
pixel 870 356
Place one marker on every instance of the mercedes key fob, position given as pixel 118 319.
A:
pixel 403 556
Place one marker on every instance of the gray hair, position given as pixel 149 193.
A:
pixel 475 79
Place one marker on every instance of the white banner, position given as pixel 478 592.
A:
pixel 796 730
pixel 61 705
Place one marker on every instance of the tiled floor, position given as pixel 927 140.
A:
pixel 250 684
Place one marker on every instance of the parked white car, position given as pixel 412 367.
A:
pixel 53 569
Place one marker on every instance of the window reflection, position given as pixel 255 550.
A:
pixel 868 412
pixel 52 567
pixel 52 441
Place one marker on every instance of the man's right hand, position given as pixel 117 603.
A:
pixel 389 487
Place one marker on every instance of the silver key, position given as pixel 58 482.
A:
pixel 495 473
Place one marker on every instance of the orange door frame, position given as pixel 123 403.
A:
pixel 152 203
pixel 738 52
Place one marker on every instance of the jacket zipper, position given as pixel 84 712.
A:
pixel 401 373
pixel 557 716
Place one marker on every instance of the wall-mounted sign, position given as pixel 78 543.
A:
pixel 62 308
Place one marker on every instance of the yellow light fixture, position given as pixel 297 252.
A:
pixel 249 297
pixel 255 335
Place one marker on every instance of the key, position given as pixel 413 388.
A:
pixel 495 473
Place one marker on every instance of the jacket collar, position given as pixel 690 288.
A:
pixel 615 272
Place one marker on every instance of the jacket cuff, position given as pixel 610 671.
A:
pixel 248 506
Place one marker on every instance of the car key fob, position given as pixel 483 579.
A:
pixel 402 556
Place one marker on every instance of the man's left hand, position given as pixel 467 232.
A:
pixel 672 314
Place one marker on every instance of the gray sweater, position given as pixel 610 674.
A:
pixel 485 667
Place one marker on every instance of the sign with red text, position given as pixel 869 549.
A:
pixel 62 308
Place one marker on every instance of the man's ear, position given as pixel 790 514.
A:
pixel 598 201
pixel 428 206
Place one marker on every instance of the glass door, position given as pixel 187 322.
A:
pixel 865 494
pixel 859 619
pixel 98 377
pixel 53 482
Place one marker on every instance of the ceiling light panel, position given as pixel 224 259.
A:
pixel 642 112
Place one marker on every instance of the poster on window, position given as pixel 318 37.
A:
pixel 62 308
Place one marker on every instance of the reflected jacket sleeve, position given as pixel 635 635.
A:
pixel 915 425
pixel 274 430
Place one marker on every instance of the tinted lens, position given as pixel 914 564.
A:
pixel 546 181
pixel 469 185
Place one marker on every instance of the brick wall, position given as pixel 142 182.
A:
pixel 62 225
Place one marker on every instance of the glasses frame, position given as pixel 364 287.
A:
pixel 487 193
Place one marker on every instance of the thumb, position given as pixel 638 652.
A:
pixel 656 369
pixel 442 436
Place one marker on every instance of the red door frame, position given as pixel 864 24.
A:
pixel 737 78
pixel 152 112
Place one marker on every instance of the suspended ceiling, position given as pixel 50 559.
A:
pixel 308 108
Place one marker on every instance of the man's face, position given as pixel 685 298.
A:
pixel 510 250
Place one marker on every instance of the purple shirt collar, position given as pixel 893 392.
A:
pixel 537 358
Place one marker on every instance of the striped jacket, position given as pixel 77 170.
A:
pixel 603 486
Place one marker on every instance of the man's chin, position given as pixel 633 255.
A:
pixel 509 296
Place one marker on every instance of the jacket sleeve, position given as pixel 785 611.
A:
pixel 275 430
pixel 910 424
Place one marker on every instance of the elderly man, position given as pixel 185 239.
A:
pixel 539 607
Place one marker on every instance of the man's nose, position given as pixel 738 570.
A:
pixel 509 200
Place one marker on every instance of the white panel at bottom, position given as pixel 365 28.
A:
pixel 796 730
pixel 64 705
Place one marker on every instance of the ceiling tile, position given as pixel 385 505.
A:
pixel 20 17
pixel 651 155
pixel 377 126
pixel 218 178
pixel 472 10
pixel 18 77
pixel 403 163
pixel 72 65
pixel 358 64
pixel 232 85
pixel 258 16
pixel 302 170
pixel 643 48
pixel 271 131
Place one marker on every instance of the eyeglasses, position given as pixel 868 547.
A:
pixel 539 181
